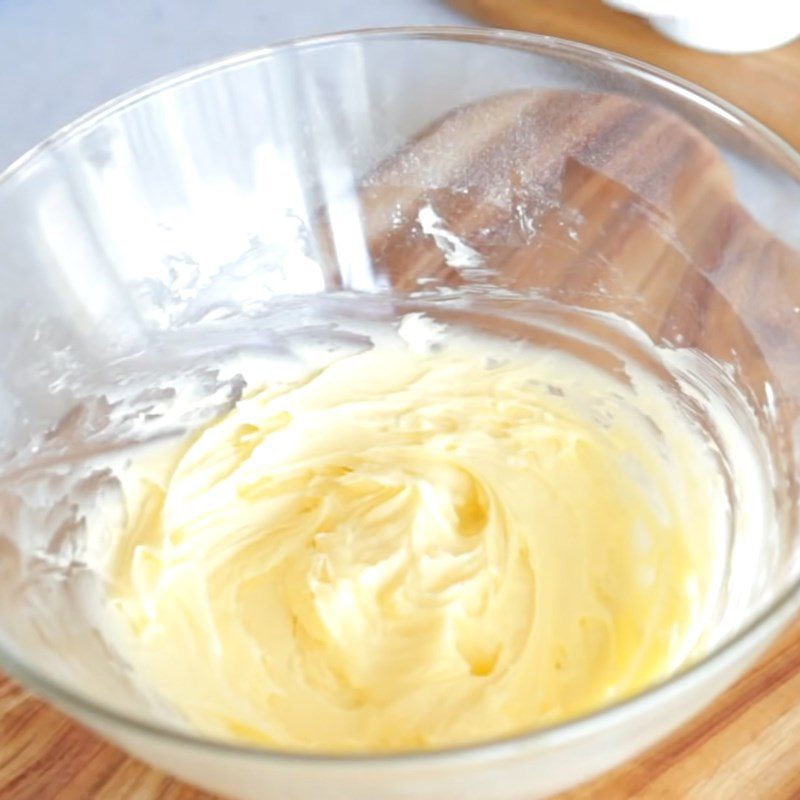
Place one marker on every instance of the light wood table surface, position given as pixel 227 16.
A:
pixel 766 85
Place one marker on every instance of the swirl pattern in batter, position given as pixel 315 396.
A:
pixel 419 549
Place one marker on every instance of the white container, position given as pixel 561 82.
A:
pixel 720 26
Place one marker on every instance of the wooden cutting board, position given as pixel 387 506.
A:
pixel 747 744
pixel 766 85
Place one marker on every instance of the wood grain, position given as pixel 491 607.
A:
pixel 766 85
pixel 668 246
pixel 744 746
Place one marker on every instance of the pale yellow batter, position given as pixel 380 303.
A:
pixel 412 550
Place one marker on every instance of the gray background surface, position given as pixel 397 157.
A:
pixel 60 58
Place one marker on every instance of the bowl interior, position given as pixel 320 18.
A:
pixel 225 212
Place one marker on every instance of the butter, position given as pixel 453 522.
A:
pixel 413 548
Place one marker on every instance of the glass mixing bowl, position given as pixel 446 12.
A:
pixel 497 176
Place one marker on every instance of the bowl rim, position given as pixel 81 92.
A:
pixel 778 612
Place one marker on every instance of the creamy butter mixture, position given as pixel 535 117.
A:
pixel 413 549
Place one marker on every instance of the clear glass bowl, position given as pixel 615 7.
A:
pixel 203 202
